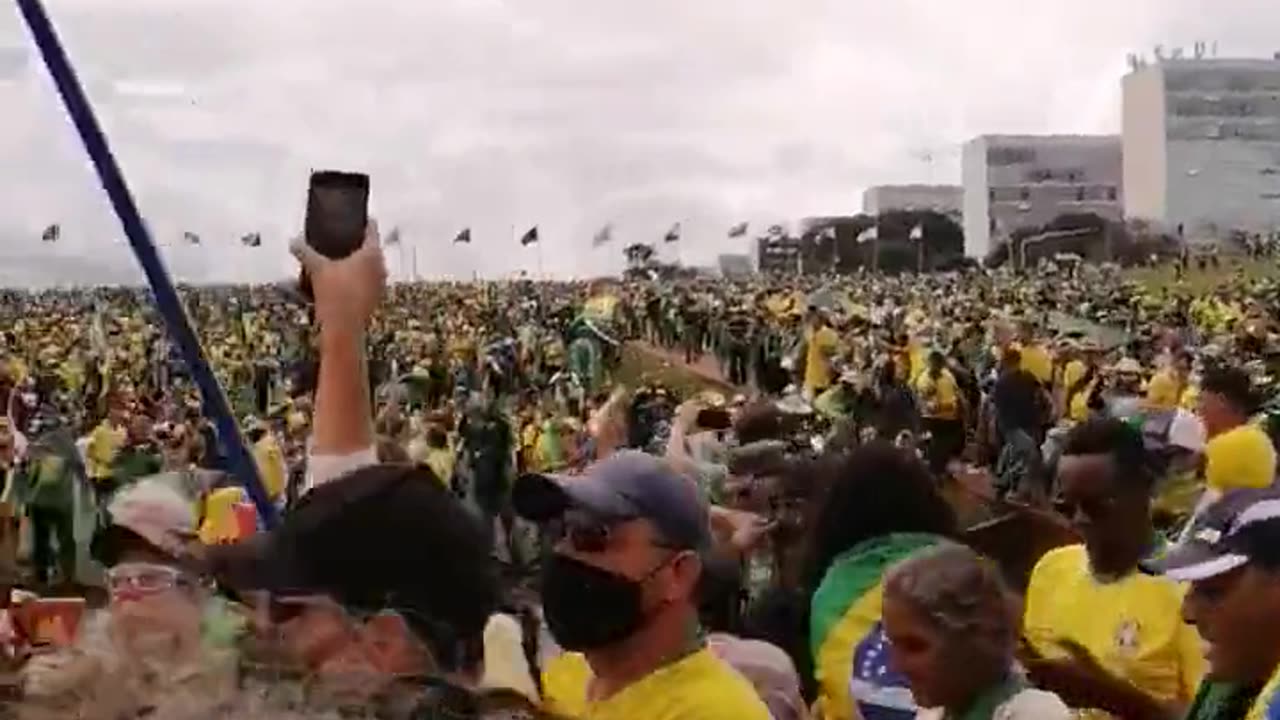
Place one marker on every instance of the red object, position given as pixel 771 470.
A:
pixel 246 519
pixel 51 621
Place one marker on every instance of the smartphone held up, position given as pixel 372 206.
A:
pixel 337 215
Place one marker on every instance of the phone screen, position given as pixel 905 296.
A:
pixel 337 212
pixel 714 419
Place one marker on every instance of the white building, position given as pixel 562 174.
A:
pixel 1017 181
pixel 1202 146
pixel 945 199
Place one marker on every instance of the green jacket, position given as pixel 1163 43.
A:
pixel 133 463
pixel 49 483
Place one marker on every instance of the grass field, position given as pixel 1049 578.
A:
pixel 640 367
pixel 1198 281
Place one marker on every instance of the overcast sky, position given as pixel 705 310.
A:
pixel 568 114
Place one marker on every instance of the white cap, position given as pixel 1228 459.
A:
pixel 157 513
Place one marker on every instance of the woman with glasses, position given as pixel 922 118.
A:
pixel 164 642
pixel 950 624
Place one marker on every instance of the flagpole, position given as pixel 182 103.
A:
pixel 216 407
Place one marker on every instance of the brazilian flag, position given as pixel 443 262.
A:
pixel 850 650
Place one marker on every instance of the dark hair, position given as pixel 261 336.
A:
pixel 390 451
pixel 362 541
pixel 873 491
pixel 1232 385
pixel 1119 441
pixel 721 594
pixel 436 437
pixel 758 421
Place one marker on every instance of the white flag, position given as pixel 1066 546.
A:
pixel 869 234
pixel 917 232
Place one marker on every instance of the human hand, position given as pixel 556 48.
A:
pixel 745 530
pixel 1078 678
pixel 348 290
pixel 976 481
pixel 686 417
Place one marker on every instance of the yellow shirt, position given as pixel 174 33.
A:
pixel 1132 626
pixel 699 687
pixel 1241 457
pixel 1164 391
pixel 1071 372
pixel 821 345
pixel 441 461
pixel 1190 398
pixel 940 396
pixel 104 443
pixel 1268 699
pixel 1037 361
pixel 269 458
pixel 917 360
pixel 220 524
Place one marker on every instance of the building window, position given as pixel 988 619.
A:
pixel 1112 194
pixel 1024 194
pixel 1079 194
pixel 991 195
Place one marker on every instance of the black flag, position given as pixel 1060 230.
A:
pixel 464 236
pixel 191 237
pixel 51 233
pixel 252 240
pixel 738 230
pixel 393 237
pixel 530 237
pixel 673 234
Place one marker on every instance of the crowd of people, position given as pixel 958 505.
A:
pixel 980 494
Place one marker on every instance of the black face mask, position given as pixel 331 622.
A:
pixel 587 607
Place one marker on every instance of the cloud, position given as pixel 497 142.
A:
pixel 498 114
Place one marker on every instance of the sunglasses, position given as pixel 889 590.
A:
pixel 595 535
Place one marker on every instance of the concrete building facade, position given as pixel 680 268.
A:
pixel 945 199
pixel 1019 181
pixel 1202 146
pixel 734 265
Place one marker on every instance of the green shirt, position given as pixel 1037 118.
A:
pixel 1221 701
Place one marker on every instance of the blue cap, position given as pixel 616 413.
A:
pixel 628 485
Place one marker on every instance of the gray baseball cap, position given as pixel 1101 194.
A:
pixel 1241 527
pixel 628 485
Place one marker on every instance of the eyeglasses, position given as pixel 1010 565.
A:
pixel 135 580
